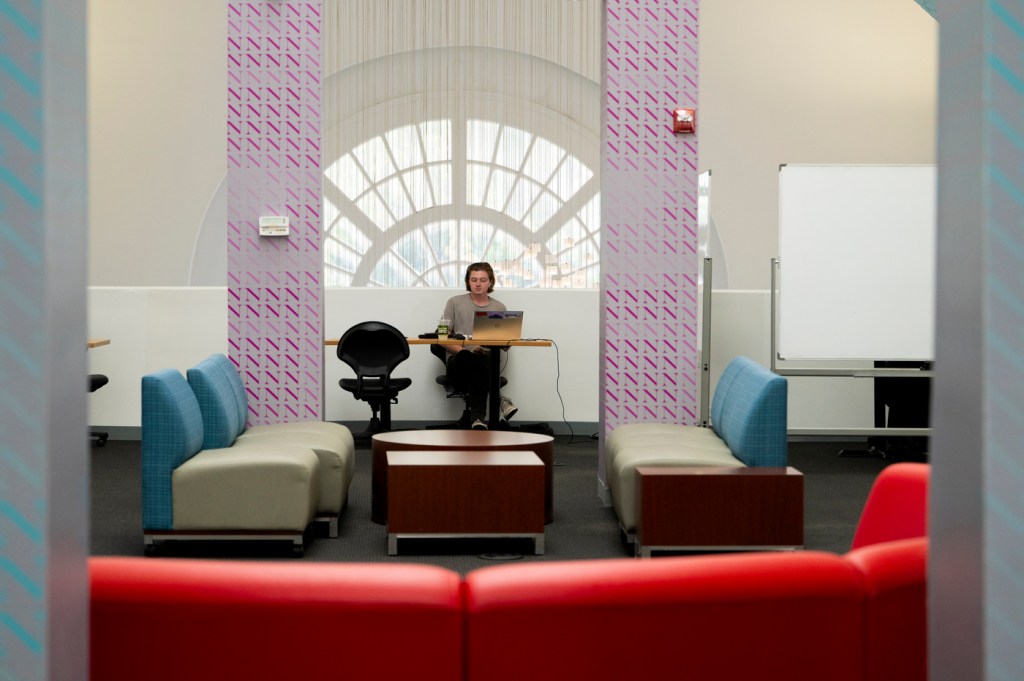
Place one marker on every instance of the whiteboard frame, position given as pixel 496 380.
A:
pixel 857 254
pixel 837 372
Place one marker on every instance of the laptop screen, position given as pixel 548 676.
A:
pixel 497 325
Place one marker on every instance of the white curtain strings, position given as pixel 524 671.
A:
pixel 488 93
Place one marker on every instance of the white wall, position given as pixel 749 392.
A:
pixel 786 81
pixel 741 325
pixel 805 81
pixel 149 329
pixel 157 328
pixel 157 135
pixel 536 376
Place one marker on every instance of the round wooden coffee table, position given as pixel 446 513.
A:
pixel 464 440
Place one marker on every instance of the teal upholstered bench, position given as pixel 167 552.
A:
pixel 190 491
pixel 223 403
pixel 748 428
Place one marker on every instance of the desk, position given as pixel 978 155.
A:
pixel 494 390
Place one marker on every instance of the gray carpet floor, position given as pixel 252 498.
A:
pixel 835 488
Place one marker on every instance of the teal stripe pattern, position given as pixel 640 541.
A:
pixel 1003 316
pixel 24 532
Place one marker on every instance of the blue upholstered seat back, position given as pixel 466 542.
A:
pixel 237 388
pixel 718 400
pixel 172 433
pixel 223 419
pixel 748 411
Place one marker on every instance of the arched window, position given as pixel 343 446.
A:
pixel 442 156
pixel 523 203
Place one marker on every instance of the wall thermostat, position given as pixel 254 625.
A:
pixel 274 225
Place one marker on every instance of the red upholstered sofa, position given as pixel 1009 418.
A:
pixel 796 615
pixel 194 619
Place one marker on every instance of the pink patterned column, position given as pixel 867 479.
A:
pixel 649 253
pixel 275 284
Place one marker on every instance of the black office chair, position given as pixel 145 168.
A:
pixel 452 391
pixel 373 350
pixel 97 381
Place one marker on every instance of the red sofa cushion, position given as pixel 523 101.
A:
pixel 897 505
pixel 752 616
pixel 895 602
pixel 203 619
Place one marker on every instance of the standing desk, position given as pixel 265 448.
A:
pixel 494 389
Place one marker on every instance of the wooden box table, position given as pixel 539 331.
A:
pixel 696 508
pixel 461 440
pixel 435 494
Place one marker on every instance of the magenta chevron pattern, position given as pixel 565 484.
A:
pixel 649 255
pixel 275 285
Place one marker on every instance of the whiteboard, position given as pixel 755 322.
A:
pixel 857 262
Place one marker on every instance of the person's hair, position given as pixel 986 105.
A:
pixel 481 267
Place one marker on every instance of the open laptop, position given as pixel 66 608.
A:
pixel 498 325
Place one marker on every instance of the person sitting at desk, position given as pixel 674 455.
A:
pixel 468 365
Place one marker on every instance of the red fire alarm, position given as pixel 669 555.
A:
pixel 684 120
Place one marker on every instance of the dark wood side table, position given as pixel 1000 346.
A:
pixel 718 508
pixel 461 440
pixel 443 493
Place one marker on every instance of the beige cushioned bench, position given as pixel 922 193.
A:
pixel 230 488
pixel 748 428
pixel 192 492
pixel 223 403
pixel 656 444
